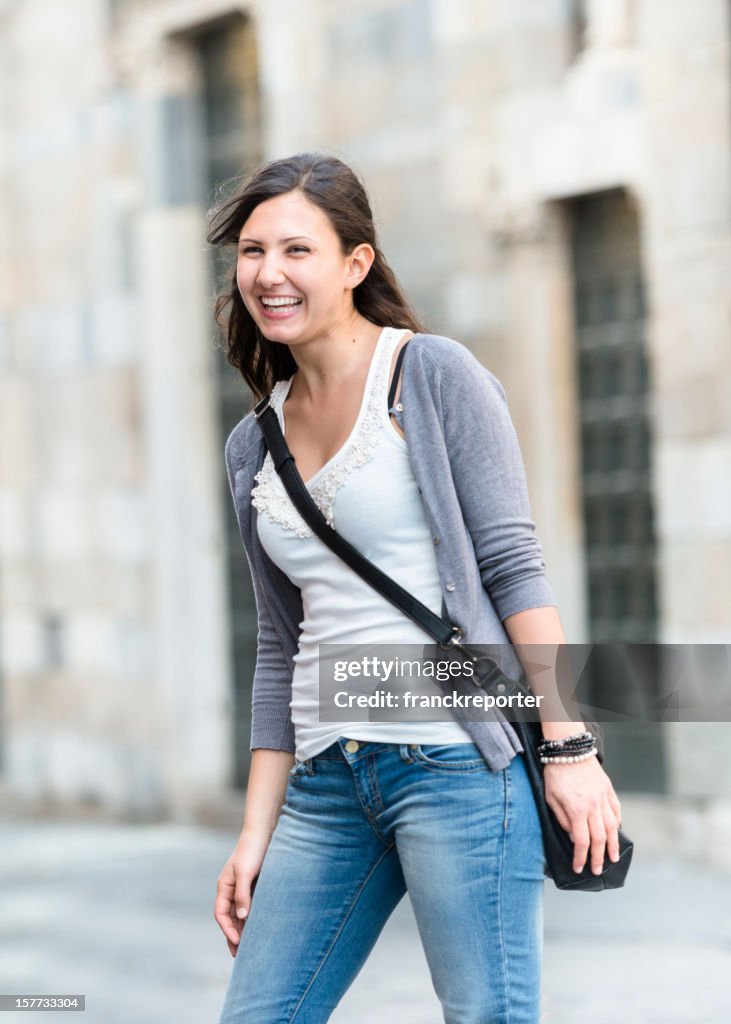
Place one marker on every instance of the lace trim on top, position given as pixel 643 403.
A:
pixel 269 495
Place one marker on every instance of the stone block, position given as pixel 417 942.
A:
pixel 64 525
pixel 6 354
pixel 122 525
pixel 64 766
pixel 698 187
pixel 90 643
pixel 21 644
pixel 16 525
pixel 19 589
pixel 115 330
pixel 56 337
pixel 474 303
pixel 698 777
pixel 19 456
pixel 696 592
pixel 101 584
pixel 693 482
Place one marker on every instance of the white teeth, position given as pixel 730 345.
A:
pixel 278 303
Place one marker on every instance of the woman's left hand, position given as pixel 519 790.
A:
pixel 582 797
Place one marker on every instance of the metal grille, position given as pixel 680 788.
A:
pixel 616 459
pixel 614 421
pixel 233 144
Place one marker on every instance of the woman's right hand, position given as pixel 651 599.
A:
pixel 235 885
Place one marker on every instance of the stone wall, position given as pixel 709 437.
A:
pixel 472 124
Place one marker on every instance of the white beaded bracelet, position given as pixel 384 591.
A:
pixel 569 758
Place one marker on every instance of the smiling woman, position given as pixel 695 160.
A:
pixel 342 818
pixel 303 230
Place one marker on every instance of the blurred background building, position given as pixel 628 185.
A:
pixel 552 184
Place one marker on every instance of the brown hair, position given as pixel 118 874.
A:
pixel 335 188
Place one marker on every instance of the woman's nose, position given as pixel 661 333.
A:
pixel 270 273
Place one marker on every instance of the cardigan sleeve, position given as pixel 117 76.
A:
pixel 489 477
pixel 271 720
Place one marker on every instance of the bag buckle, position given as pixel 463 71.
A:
pixel 454 641
pixel 261 407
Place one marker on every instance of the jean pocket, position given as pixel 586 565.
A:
pixel 301 769
pixel 463 757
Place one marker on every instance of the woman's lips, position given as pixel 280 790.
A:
pixel 280 312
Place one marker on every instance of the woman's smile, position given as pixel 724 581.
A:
pixel 279 307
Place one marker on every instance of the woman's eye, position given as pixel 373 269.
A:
pixel 247 250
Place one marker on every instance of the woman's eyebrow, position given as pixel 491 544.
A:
pixel 293 238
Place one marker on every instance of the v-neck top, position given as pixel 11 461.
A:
pixel 466 458
pixel 367 491
pixel 385 337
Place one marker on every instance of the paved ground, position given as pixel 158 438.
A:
pixel 124 915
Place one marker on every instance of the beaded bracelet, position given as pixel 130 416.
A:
pixel 569 750
pixel 578 738
pixel 570 758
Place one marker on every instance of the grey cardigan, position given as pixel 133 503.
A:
pixel 465 456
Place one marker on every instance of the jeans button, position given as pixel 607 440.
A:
pixel 352 746
pixel 451 587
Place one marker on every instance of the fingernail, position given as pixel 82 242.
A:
pixel 242 912
pixel 615 857
pixel 579 870
pixel 596 871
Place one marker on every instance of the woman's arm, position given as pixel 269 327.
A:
pixel 265 791
pixel 271 725
pixel 272 741
pixel 580 794
pixel 265 795
pixel 542 626
pixel 489 478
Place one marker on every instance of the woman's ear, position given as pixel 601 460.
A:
pixel 359 263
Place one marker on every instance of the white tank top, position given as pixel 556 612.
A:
pixel 367 491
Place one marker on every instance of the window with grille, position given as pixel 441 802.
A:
pixel 616 465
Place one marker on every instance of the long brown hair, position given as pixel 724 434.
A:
pixel 334 187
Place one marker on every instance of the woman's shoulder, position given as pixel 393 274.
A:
pixel 246 438
pixel 440 358
pixel 243 441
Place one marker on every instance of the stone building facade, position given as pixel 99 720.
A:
pixel 551 182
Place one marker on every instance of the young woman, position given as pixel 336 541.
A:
pixel 342 818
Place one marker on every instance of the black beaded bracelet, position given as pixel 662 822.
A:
pixel 579 737
pixel 568 750
pixel 581 743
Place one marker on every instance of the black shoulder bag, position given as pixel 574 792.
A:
pixel 557 844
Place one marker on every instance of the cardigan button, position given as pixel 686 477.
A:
pixel 435 539
pixel 451 587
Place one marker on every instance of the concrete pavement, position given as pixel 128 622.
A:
pixel 124 914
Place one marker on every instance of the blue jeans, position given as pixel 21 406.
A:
pixel 356 831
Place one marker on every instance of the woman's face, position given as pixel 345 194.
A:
pixel 291 272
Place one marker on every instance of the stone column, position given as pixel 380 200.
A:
pixel 686 74
pixel 184 451
pixel 539 375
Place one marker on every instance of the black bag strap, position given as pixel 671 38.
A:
pixel 396 372
pixel 445 634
